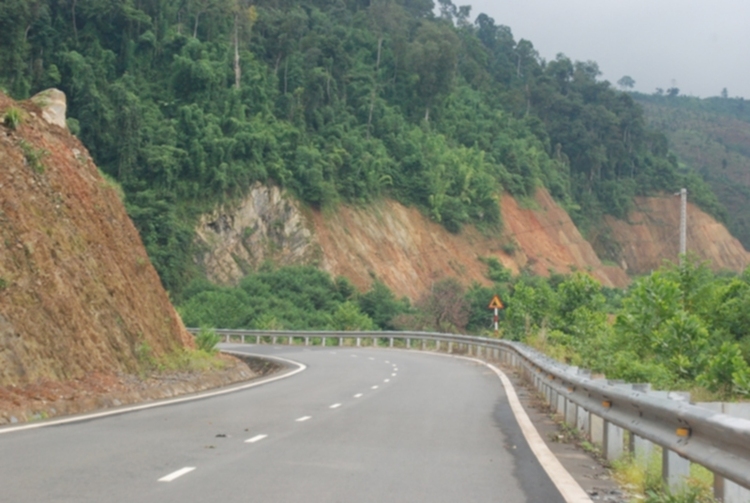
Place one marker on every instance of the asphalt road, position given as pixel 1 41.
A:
pixel 357 425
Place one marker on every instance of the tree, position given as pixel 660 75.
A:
pixel 626 82
pixel 433 56
pixel 244 16
pixel 724 93
pixel 445 306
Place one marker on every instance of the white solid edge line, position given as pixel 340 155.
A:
pixel 178 473
pixel 300 367
pixel 303 418
pixel 570 490
pixel 256 438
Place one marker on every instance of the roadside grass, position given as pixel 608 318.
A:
pixel 178 360
pixel 641 476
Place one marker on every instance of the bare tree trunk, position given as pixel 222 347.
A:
pixel 374 87
pixel 286 74
pixel 73 18
pixel 237 69
pixel 195 26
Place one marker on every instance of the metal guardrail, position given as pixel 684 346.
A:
pixel 601 407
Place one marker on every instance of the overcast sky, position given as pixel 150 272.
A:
pixel 698 46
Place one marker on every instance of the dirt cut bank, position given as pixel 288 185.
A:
pixel 81 306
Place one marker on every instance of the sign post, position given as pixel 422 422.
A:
pixel 495 304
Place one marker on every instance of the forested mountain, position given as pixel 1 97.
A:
pixel 712 137
pixel 187 102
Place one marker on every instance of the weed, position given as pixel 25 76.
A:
pixel 511 247
pixel 34 156
pixel 145 356
pixel 206 340
pixel 3 283
pixel 642 476
pixel 12 118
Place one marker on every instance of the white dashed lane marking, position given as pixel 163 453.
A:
pixel 178 473
pixel 256 438
pixel 303 418
pixel 358 395
pixel 387 380
pixel 335 406
pixel 375 387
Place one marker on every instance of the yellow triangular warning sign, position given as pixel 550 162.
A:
pixel 496 303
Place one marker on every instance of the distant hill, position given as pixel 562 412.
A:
pixel 712 137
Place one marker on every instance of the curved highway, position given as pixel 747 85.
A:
pixel 357 425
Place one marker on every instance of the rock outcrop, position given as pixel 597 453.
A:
pixel 78 294
pixel 264 226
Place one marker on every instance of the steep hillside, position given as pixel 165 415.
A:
pixel 409 252
pixel 391 242
pixel 651 233
pixel 78 293
pixel 81 306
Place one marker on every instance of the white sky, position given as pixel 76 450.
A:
pixel 699 46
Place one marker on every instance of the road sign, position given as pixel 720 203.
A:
pixel 496 303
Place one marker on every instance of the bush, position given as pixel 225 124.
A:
pixel 12 118
pixel 206 340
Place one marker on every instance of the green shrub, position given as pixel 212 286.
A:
pixel 33 156
pixel 206 340
pixel 12 118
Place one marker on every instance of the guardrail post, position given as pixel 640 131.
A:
pixel 359 341
pixel 390 342
pixel 437 346
pixel 613 438
pixel 273 341
pixel 243 339
pixel 408 343
pixel 674 469
pixel 422 344
pixel 374 342
pixel 323 341
pixel 726 490
pixel 257 339
pixel 596 429
pixel 226 338
pixel 571 413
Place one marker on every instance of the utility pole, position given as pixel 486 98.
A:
pixel 683 224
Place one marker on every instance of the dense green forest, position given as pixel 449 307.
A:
pixel 187 102
pixel 711 136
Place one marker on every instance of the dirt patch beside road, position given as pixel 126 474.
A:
pixel 97 391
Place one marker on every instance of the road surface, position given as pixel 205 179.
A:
pixel 356 425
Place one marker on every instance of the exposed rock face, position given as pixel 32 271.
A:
pixel 652 235
pixel 54 105
pixel 77 291
pixel 263 226
pixel 391 242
